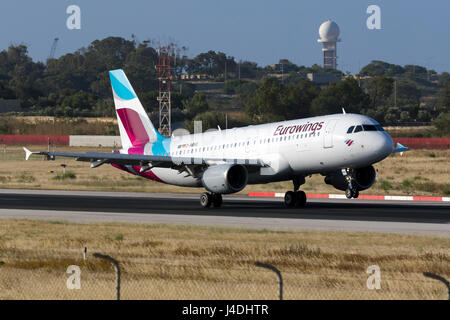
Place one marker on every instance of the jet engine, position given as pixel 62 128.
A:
pixel 362 179
pixel 225 178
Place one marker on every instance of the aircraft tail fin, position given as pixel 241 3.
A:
pixel 136 129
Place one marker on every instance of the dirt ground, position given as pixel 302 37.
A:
pixel 417 172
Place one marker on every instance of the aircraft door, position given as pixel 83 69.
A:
pixel 328 136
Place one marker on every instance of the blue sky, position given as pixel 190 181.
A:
pixel 413 32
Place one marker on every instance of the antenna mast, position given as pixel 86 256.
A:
pixel 165 82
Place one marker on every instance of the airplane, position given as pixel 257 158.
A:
pixel 340 147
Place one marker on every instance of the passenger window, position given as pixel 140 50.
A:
pixel 358 129
pixel 350 130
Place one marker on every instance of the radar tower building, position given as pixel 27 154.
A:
pixel 329 36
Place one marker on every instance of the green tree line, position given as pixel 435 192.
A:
pixel 77 84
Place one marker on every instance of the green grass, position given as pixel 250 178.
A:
pixel 64 176
pixel 25 177
pixel 385 185
pixel 119 237
pixel 407 183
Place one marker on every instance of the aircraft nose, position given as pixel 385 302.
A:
pixel 384 145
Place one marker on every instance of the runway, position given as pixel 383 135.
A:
pixel 237 211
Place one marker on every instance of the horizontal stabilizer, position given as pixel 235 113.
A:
pixel 400 148
pixel 28 153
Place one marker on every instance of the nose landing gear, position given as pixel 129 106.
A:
pixel 352 190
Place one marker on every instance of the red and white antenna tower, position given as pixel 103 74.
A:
pixel 165 82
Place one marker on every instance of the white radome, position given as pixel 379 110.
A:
pixel 329 31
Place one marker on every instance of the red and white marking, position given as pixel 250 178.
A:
pixel 342 196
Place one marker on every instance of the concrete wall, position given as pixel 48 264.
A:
pixel 95 141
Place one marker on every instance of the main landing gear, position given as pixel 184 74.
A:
pixel 206 199
pixel 296 198
pixel 351 191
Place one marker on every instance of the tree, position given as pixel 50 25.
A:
pixel 211 63
pixel 209 119
pixel 380 68
pixel 444 79
pixel 196 105
pixel 379 89
pixel 233 86
pixel 343 94
pixel 442 123
pixel 446 98
pixel 274 101
pixel 288 66
pixel 248 69
pixel 407 93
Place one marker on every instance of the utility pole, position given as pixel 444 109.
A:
pixel 225 77
pixel 395 93
pixel 239 68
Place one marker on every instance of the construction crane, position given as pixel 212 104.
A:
pixel 53 49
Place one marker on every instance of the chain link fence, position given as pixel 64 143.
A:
pixel 72 276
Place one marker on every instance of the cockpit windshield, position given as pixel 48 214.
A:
pixel 365 127
pixel 369 127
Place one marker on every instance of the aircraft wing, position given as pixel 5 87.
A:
pixel 97 159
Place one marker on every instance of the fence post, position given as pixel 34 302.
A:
pixel 116 266
pixel 274 269
pixel 438 277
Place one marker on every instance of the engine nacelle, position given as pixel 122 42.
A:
pixel 225 178
pixel 363 178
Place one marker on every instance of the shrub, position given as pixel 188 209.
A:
pixel 119 237
pixel 26 177
pixel 67 175
pixel 407 183
pixel 385 185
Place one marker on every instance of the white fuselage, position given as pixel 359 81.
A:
pixel 288 148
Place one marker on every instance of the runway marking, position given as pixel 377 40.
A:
pixel 342 196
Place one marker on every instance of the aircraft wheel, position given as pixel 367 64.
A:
pixel 217 200
pixel 290 198
pixel 349 193
pixel 301 199
pixel 205 200
pixel 355 194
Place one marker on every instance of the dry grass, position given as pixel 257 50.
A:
pixel 190 262
pixel 58 126
pixel 418 172
pixel 422 131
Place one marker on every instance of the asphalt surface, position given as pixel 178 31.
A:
pixel 237 211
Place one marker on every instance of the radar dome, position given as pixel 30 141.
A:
pixel 329 31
